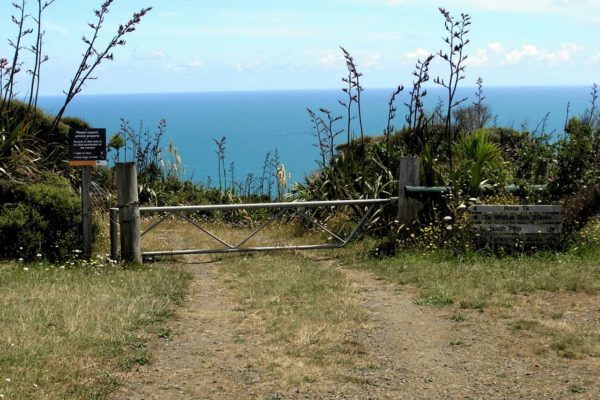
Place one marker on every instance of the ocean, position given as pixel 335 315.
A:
pixel 256 123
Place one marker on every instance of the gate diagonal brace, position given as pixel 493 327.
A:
pixel 154 225
pixel 201 228
pixel 260 228
pixel 179 212
pixel 319 225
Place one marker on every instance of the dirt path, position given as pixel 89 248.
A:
pixel 426 355
pixel 417 353
pixel 197 360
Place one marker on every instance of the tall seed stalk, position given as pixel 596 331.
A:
pixel 93 56
pixel 220 143
pixel 353 91
pixel 17 45
pixel 39 58
pixel 415 118
pixel 319 135
pixel 389 129
pixel 456 41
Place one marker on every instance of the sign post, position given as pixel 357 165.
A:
pixel 87 148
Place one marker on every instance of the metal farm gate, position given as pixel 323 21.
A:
pixel 365 207
pixel 125 220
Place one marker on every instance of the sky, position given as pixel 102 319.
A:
pixel 240 45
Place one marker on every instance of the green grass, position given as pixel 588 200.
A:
pixel 480 281
pixel 67 333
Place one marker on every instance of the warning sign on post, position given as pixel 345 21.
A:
pixel 87 147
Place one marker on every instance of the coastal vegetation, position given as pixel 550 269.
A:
pixel 454 142
pixel 69 327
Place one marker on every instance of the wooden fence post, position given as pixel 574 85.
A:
pixel 129 212
pixel 408 209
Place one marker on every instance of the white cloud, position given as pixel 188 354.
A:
pixel 516 56
pixel 496 47
pixel 496 54
pixel 565 54
pixel 197 64
pixel 418 54
pixel 158 54
pixel 328 60
pixel 241 67
pixel 478 58
pixel 595 59
pixel 374 60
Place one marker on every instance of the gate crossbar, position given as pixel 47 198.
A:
pixel 180 212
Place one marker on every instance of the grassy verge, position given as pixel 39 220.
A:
pixel 548 298
pixel 67 332
pixel 308 309
pixel 480 281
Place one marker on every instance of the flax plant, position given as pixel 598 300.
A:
pixel 321 144
pixel 415 117
pixel 220 143
pixel 353 91
pixel 17 45
pixel 330 132
pixel 39 57
pixel 455 57
pixel 266 174
pixel 325 133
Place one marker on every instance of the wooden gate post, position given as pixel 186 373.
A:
pixel 408 209
pixel 129 212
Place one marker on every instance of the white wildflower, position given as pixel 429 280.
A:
pixel 447 218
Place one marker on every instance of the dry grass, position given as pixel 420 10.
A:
pixel 66 332
pixel 308 310
pixel 567 324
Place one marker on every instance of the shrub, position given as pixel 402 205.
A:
pixel 579 208
pixel 478 161
pixel 577 157
pixel 29 143
pixel 39 218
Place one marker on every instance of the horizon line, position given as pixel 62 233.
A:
pixel 311 90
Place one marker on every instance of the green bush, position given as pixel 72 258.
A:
pixel 577 159
pixel 39 218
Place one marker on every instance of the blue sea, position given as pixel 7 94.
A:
pixel 255 123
